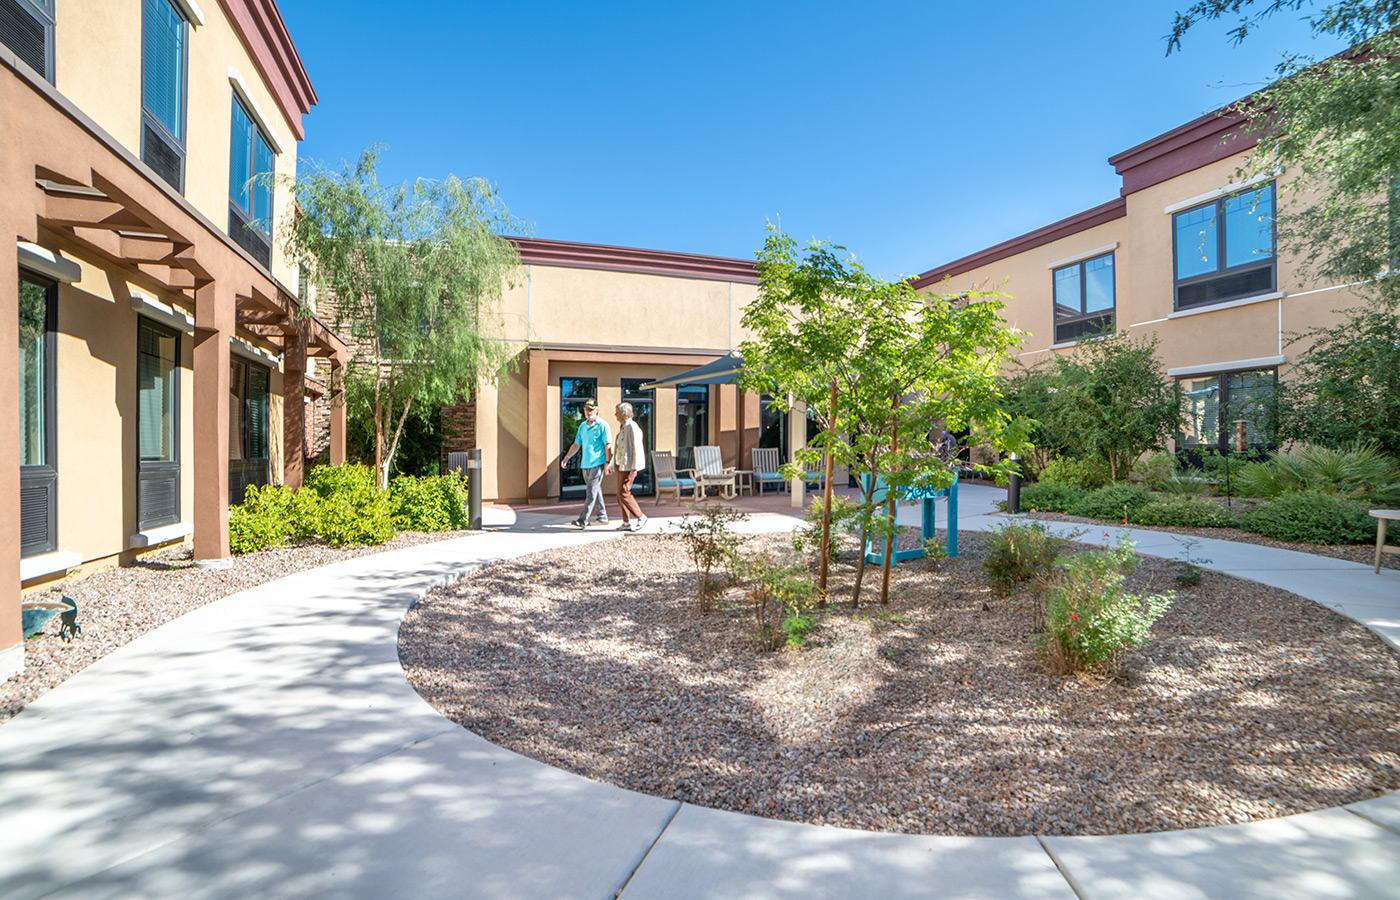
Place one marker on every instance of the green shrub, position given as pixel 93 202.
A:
pixel 1060 498
pixel 1116 501
pixel 262 520
pixel 809 535
pixel 779 592
pixel 1183 512
pixel 1359 471
pixel 348 509
pixel 1019 552
pixel 429 503
pixel 1081 473
pixel 1090 620
pixel 1312 518
pixel 1185 484
pixel 1155 470
pixel 708 534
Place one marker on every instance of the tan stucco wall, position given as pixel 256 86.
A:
pixel 97 65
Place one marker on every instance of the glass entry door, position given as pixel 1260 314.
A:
pixel 644 412
pixel 692 422
pixel 572 393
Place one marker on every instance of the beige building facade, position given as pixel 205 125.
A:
pixel 163 363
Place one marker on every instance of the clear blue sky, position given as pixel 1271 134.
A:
pixel 912 133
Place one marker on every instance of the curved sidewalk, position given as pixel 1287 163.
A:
pixel 268 745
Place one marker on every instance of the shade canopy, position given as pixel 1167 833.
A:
pixel 721 371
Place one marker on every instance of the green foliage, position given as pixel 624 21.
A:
pixel 1312 518
pixel 1058 498
pixel 429 504
pixel 778 594
pixel 1109 400
pixel 1020 552
pixel 1360 471
pixel 1090 619
pixel 1081 473
pixel 809 535
pixel 707 531
pixel 414 275
pixel 420 445
pixel 935 552
pixel 262 520
pixel 1183 512
pixel 1156 470
pixel 1116 501
pixel 1188 569
pixel 348 507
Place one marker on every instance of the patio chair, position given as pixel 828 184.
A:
pixel 711 472
pixel 765 469
pixel 671 480
pixel 815 477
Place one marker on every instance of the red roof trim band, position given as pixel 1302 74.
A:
pixel 567 254
pixel 265 37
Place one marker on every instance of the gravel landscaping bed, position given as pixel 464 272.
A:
pixel 929 715
pixel 116 606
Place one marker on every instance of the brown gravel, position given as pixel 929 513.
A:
pixel 116 606
pixel 931 715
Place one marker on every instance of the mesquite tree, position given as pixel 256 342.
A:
pixel 414 275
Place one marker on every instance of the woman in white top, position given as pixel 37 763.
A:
pixel 629 458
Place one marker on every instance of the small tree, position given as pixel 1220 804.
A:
pixel 414 274
pixel 878 365
pixel 1107 400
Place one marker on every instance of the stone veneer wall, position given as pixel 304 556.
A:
pixel 458 428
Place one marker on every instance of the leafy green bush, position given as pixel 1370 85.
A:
pixel 1116 501
pixel 779 592
pixel 809 534
pixel 1060 498
pixel 1358 471
pixel 708 534
pixel 1090 619
pixel 430 503
pixel 1081 473
pixel 262 520
pixel 1183 512
pixel 1155 470
pixel 1019 552
pixel 1312 518
pixel 348 507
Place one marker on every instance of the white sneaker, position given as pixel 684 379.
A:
pixel 639 524
pixel 625 526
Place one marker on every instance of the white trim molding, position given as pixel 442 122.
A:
pixel 1233 365
pixel 242 348
pixel 49 263
pixel 164 313
pixel 1079 257
pixel 48 564
pixel 192 11
pixel 1233 304
pixel 241 87
pixel 163 535
pixel 1221 192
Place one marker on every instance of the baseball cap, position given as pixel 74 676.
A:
pixel 590 404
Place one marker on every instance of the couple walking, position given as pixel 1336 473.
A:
pixel 599 456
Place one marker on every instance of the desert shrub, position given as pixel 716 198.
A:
pixel 1081 473
pixel 1358 471
pixel 1312 518
pixel 262 520
pixel 809 535
pixel 430 503
pixel 348 509
pixel 1020 552
pixel 779 594
pixel 1155 469
pixel 1060 498
pixel 1185 484
pixel 1090 619
pixel 1116 501
pixel 1183 512
pixel 708 535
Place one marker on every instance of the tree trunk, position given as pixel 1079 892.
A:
pixel 394 447
pixel 378 430
pixel 826 502
pixel 892 520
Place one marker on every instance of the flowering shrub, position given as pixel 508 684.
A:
pixel 1090 620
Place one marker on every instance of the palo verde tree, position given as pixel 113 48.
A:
pixel 414 275
pixel 878 365
pixel 1335 126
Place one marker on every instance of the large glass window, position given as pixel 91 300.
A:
pixel 572 394
pixel 157 424
pixel 1215 403
pixel 37 453
pixel 1224 250
pixel 163 56
pixel 692 422
pixel 251 164
pixel 644 413
pixel 26 27
pixel 1084 298
pixel 247 432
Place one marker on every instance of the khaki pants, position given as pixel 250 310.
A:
pixel 630 508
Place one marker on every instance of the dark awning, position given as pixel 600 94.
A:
pixel 721 371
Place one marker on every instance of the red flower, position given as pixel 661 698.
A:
pixel 1074 617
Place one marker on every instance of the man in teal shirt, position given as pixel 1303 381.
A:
pixel 595 441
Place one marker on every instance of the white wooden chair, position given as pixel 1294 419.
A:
pixel 765 469
pixel 669 479
pixel 711 472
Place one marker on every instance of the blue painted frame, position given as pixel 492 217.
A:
pixel 928 521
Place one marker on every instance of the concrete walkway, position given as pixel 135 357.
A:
pixel 268 745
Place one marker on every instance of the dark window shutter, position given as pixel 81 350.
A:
pixel 25 35
pixel 1232 286
pixel 249 237
pixel 167 161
